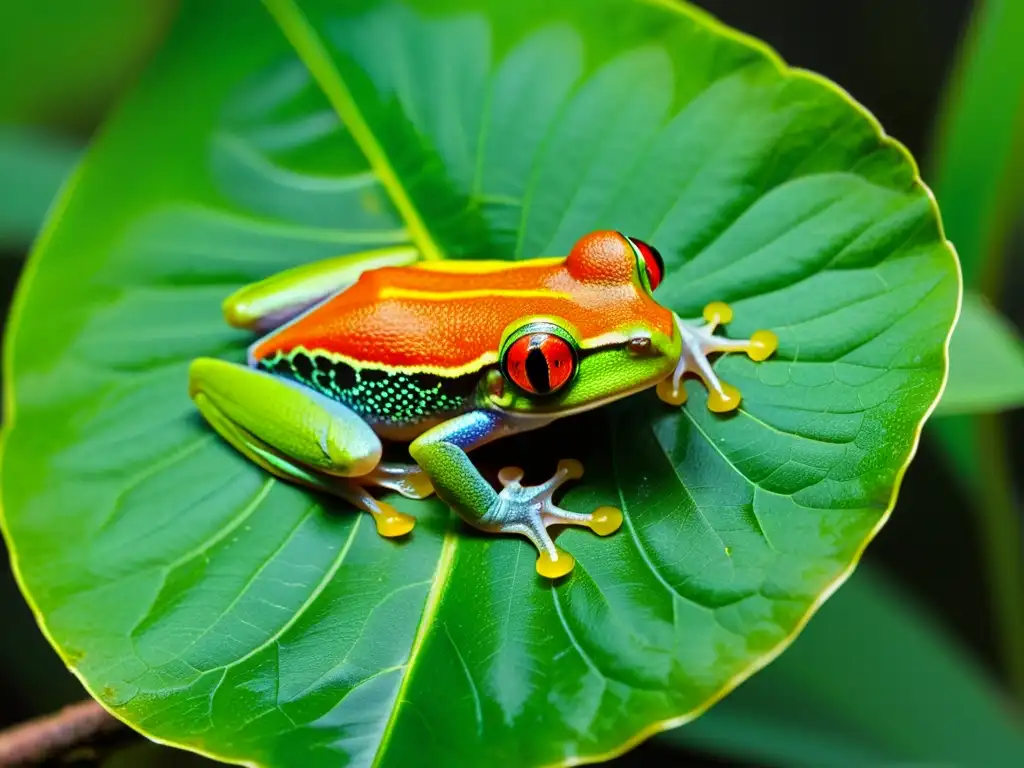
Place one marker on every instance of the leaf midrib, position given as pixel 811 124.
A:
pixel 313 54
pixel 311 51
pixel 442 571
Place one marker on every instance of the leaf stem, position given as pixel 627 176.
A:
pixel 48 737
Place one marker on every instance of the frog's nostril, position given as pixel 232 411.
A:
pixel 640 345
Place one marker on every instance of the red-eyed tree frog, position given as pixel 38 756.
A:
pixel 449 356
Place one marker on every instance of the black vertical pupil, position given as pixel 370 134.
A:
pixel 537 367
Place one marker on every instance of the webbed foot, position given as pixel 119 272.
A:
pixel 529 510
pixel 699 341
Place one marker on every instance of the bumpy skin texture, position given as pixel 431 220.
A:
pixel 412 352
pixel 449 318
pixel 384 398
pixel 302 426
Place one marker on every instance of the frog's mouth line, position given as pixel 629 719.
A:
pixel 558 413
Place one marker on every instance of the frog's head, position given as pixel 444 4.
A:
pixel 618 341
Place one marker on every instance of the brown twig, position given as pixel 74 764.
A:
pixel 46 737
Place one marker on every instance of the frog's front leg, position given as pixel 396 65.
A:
pixel 298 435
pixel 279 298
pixel 525 510
pixel 698 340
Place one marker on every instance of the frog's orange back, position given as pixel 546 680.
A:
pixel 448 317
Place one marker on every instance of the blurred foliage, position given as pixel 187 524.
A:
pixel 977 169
pixel 33 165
pixel 988 375
pixel 62 62
pixel 62 65
pixel 872 681
pixel 978 158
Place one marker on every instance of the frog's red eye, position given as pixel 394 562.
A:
pixel 539 358
pixel 650 260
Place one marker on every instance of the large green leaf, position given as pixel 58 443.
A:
pixel 215 608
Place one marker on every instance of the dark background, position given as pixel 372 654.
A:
pixel 893 56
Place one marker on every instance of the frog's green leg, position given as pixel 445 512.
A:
pixel 294 433
pixel 699 341
pixel 525 510
pixel 279 298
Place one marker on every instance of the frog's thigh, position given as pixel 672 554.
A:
pixel 250 407
pixel 271 302
pixel 295 434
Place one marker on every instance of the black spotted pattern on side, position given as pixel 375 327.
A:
pixel 392 398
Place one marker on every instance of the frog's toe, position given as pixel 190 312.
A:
pixel 553 562
pixel 672 391
pixel 718 313
pixel 569 469
pixel 723 398
pixel 529 510
pixel 762 345
pixel 389 521
pixel 603 521
pixel 606 520
pixel 555 568
pixel 698 342
pixel 510 476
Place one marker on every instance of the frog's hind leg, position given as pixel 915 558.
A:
pixel 699 341
pixel 390 522
pixel 407 479
pixel 294 433
pixel 280 298
pixel 523 510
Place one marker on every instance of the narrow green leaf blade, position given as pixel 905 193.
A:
pixel 979 157
pixel 986 362
pixel 248 619
pixel 979 176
